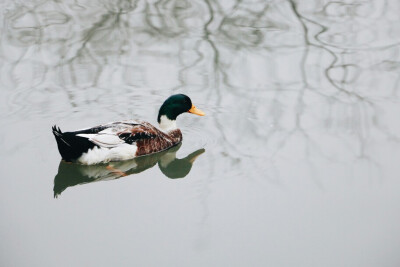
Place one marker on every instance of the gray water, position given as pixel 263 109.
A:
pixel 297 157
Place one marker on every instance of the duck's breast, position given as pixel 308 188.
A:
pixel 160 142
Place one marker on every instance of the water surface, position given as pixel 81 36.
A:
pixel 300 141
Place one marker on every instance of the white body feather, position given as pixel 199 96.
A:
pixel 111 147
pixel 104 154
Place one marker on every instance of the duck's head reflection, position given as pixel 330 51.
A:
pixel 70 174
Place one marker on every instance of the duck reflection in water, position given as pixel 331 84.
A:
pixel 70 174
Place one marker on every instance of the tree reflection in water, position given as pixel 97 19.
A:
pixel 310 80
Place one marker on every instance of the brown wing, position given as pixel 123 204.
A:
pixel 149 139
pixel 137 133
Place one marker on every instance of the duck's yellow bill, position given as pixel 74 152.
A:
pixel 196 111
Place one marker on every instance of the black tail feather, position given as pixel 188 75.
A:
pixel 71 146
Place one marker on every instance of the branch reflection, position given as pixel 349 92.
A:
pixel 308 80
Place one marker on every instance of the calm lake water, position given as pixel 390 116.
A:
pixel 296 162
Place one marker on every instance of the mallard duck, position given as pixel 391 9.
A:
pixel 125 140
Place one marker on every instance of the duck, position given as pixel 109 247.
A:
pixel 127 139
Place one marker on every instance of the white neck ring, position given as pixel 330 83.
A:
pixel 166 124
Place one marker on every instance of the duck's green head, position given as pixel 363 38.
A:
pixel 176 105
